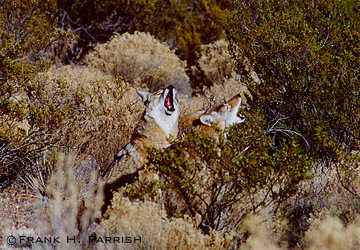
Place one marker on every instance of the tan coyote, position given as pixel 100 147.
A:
pixel 222 116
pixel 160 121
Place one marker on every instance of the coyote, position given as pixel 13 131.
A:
pixel 222 116
pixel 160 121
pixel 205 123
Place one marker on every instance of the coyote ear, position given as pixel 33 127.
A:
pixel 237 107
pixel 143 95
pixel 239 104
pixel 207 119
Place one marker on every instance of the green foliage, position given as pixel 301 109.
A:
pixel 184 24
pixel 307 53
pixel 25 26
pixel 27 121
pixel 213 177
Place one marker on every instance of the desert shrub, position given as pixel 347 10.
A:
pixel 148 221
pixel 184 24
pixel 216 61
pixel 100 110
pixel 328 233
pixel 30 30
pixel 223 180
pixel 332 234
pixel 333 191
pixel 68 201
pixel 218 66
pixel 25 27
pixel 139 57
pixel 259 236
pixel 308 54
pixel 26 30
pixel 77 108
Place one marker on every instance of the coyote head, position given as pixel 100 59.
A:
pixel 224 115
pixel 163 107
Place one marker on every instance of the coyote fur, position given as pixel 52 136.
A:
pixel 222 116
pixel 160 121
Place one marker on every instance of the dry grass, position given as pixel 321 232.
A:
pixel 139 57
pixel 104 110
pixel 216 62
pixel 219 66
pixel 72 199
pixel 331 234
pixel 147 220
pixel 327 234
pixel 75 194
pixel 68 208
pixel 260 237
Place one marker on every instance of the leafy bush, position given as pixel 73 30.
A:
pixel 224 180
pixel 26 30
pixel 308 54
pixel 140 58
pixel 25 27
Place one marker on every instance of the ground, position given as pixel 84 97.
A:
pixel 16 208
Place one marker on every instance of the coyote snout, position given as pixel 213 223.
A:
pixel 224 115
pixel 163 107
pixel 160 121
pixel 221 116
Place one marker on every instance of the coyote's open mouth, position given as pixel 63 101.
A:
pixel 169 100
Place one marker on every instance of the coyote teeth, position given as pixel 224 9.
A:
pixel 159 122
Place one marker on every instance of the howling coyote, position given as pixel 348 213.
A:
pixel 205 123
pixel 159 122
pixel 222 116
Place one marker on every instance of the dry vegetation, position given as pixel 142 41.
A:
pixel 148 220
pixel 89 114
pixel 218 64
pixel 218 69
pixel 330 225
pixel 140 58
pixel 103 109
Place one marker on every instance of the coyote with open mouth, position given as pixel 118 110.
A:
pixel 160 121
pixel 221 116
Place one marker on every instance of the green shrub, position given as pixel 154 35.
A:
pixel 223 180
pixel 307 53
pixel 26 30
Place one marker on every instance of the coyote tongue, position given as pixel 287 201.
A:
pixel 168 101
